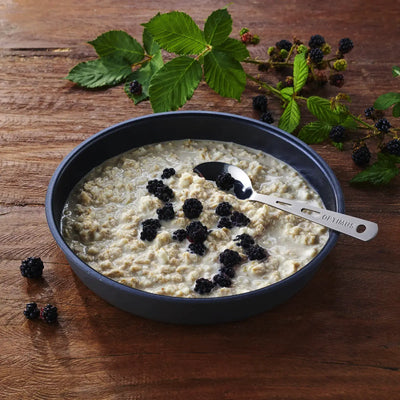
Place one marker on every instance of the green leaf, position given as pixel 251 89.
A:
pixel 315 132
pixel 177 33
pixel 143 76
pixel 379 173
pixel 338 145
pixel 218 26
pixel 118 44
pixel 174 83
pixel 395 71
pixel 386 100
pixel 150 45
pixel 106 71
pixel 396 110
pixel 235 48
pixel 287 93
pixel 290 118
pixel 321 108
pixel 349 123
pixel 224 74
pixel 300 72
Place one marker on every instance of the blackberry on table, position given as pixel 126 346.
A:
pixel 383 125
pixel 229 258
pixel 196 232
pixel 345 45
pixel 228 271
pixel 361 154
pixel 256 252
pixel 244 240
pixel 203 286
pixel 49 314
pixel 32 267
pixel 260 103
pixel 225 181
pixel 167 173
pixel 223 209
pixel 32 311
pixel 316 41
pixel 179 235
pixel 369 112
pixel 225 222
pixel 192 208
pixel 222 280
pixel 267 117
pixel 284 44
pixel 239 219
pixel 166 213
pixel 336 80
pixel 197 248
pixel 316 55
pixel 337 134
pixel 135 87
pixel 393 147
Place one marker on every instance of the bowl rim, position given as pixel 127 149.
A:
pixel 92 273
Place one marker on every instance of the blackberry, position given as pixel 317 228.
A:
pixel 151 223
pixel 49 314
pixel 203 286
pixel 32 311
pixel 153 185
pixel 361 154
pixel 393 147
pixel 336 80
pixel 244 240
pixel 167 173
pixel 196 232
pixel 229 258
pixel 369 112
pixel 337 134
pixel 345 45
pixel 192 208
pixel 225 181
pixel 164 193
pixel 179 235
pixel 267 117
pixel 383 125
pixel 32 267
pixel 135 87
pixel 166 213
pixel 256 252
pixel 150 228
pixel 228 271
pixel 197 248
pixel 239 219
pixel 225 222
pixel 316 55
pixel 316 41
pixel 284 44
pixel 223 209
pixel 260 103
pixel 222 280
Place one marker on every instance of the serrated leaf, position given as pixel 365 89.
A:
pixel 218 26
pixel 118 44
pixel 300 72
pixel 396 71
pixel 287 93
pixel 177 33
pixel 321 108
pixel 98 73
pixel 379 173
pixel 174 83
pixel 386 100
pixel 290 118
pixel 150 45
pixel 224 74
pixel 396 110
pixel 234 48
pixel 143 76
pixel 315 132
pixel 349 123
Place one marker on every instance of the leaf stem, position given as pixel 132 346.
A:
pixel 267 87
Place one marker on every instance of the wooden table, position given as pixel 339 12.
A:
pixel 339 338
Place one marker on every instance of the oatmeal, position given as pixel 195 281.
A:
pixel 146 220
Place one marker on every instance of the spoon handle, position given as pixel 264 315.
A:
pixel 352 226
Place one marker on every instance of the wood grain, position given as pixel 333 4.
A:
pixel 339 338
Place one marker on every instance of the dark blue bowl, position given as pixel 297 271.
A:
pixel 196 125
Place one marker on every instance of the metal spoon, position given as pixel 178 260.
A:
pixel 243 189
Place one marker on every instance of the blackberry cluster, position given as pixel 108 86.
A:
pixel 192 208
pixel 239 219
pixel 225 222
pixel 203 286
pixel 267 117
pixel 256 252
pixel 49 314
pixel 284 45
pixel 228 271
pixel 260 103
pixel 166 213
pixel 167 173
pixel 223 209
pixel 316 55
pixel 393 147
pixel 345 45
pixel 150 228
pixel 336 80
pixel 32 311
pixel 32 267
pixel 225 181
pixel 160 190
pixel 229 258
pixel 316 41
pixel 383 125
pixel 135 88
pixel 222 280
pixel 197 248
pixel 180 235
pixel 244 240
pixel 369 112
pixel 361 154
pixel 337 134
pixel 196 232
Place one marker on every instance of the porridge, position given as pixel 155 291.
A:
pixel 146 220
